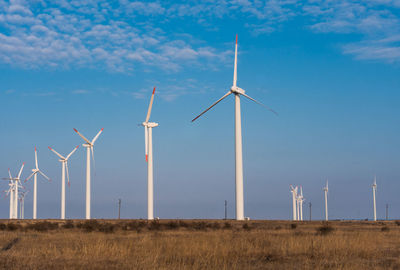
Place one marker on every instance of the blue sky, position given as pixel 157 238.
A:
pixel 330 69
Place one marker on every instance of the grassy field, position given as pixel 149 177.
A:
pixel 199 244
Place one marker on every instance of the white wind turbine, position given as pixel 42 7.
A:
pixel 237 91
pixel 148 138
pixel 22 195
pixel 89 148
pixel 64 167
pixel 35 171
pixel 326 200
pixel 300 200
pixel 374 186
pixel 10 192
pixel 294 199
pixel 14 192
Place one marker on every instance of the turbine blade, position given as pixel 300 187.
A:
pixel 30 176
pixel 66 167
pixel 259 103
pixel 36 161
pixel 20 171
pixel 55 152
pixel 9 173
pixel 215 103
pixel 235 67
pixel 70 154
pixel 146 141
pixel 95 137
pixel 150 105
pixel 83 137
pixel 45 176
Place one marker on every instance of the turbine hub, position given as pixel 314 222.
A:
pixel 237 90
pixel 150 124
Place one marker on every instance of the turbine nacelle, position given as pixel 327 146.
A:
pixel 87 145
pixel 237 90
pixel 149 124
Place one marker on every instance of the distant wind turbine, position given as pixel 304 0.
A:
pixel 64 167
pixel 301 200
pixel 148 138
pixel 14 192
pixel 326 200
pixel 237 91
pixel 35 171
pixel 89 148
pixel 374 186
pixel 294 199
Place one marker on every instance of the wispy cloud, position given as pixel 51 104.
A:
pixel 80 92
pixel 124 36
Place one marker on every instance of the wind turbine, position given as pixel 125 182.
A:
pixel 374 186
pixel 14 192
pixel 294 198
pixel 237 91
pixel 89 148
pixel 10 192
pixel 326 200
pixel 148 133
pixel 22 195
pixel 301 200
pixel 64 166
pixel 35 171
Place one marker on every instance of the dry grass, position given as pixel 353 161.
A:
pixel 199 245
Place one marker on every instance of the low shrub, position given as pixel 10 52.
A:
pixel 172 225
pixel 13 227
pixel 293 226
pixel 154 225
pixel 246 227
pixel 3 227
pixel 325 229
pixel 106 228
pixel 199 225
pixel 227 225
pixel 68 225
pixel 89 225
pixel 397 222
pixel 42 226
pixel 385 229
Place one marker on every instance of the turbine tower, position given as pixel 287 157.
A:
pixel 294 198
pixel 14 192
pixel 237 91
pixel 35 171
pixel 301 200
pixel 64 167
pixel 10 192
pixel 326 200
pixel 374 186
pixel 89 148
pixel 148 133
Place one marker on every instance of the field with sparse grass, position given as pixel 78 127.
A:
pixel 198 244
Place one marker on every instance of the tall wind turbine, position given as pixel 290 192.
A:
pixel 64 167
pixel 374 186
pixel 294 198
pixel 35 171
pixel 22 204
pixel 237 91
pixel 10 192
pixel 14 192
pixel 89 148
pixel 148 138
pixel 301 200
pixel 326 200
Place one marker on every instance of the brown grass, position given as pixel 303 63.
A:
pixel 201 244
